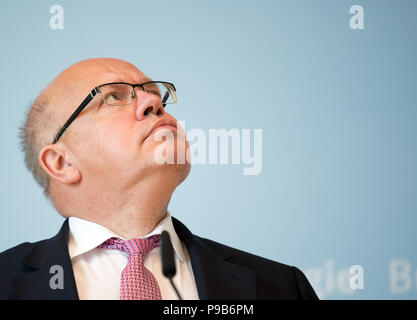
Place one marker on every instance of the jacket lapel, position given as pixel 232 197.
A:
pixel 48 271
pixel 216 277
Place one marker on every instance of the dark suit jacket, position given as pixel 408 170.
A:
pixel 220 272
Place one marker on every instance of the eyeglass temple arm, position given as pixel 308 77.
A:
pixel 76 113
pixel 165 98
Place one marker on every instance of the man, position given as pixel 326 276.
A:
pixel 98 164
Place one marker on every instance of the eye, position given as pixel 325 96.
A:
pixel 113 97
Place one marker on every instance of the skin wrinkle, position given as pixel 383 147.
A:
pixel 103 169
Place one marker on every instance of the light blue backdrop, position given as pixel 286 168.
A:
pixel 337 108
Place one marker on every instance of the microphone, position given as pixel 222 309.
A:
pixel 167 260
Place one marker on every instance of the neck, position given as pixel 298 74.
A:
pixel 130 214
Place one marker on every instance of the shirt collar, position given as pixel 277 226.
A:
pixel 86 235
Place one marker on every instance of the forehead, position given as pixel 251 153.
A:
pixel 82 77
pixel 119 80
pixel 74 83
pixel 111 73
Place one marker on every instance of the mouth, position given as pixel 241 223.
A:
pixel 163 124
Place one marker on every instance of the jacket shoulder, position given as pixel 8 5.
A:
pixel 15 254
pixel 243 256
pixel 12 264
pixel 274 280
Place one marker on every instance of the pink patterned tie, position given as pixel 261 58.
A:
pixel 137 282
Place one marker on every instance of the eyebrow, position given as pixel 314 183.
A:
pixel 123 80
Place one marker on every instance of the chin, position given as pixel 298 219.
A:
pixel 170 152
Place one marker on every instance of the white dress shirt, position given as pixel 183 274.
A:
pixel 97 271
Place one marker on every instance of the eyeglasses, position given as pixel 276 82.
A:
pixel 121 94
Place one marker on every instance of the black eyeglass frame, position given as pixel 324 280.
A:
pixel 94 92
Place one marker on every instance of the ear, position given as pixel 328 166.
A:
pixel 56 161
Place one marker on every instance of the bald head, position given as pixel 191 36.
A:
pixel 59 99
pixel 85 75
pixel 75 82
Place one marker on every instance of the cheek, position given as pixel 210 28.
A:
pixel 110 147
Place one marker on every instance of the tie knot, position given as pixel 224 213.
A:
pixel 134 246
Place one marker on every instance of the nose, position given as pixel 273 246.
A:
pixel 146 104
